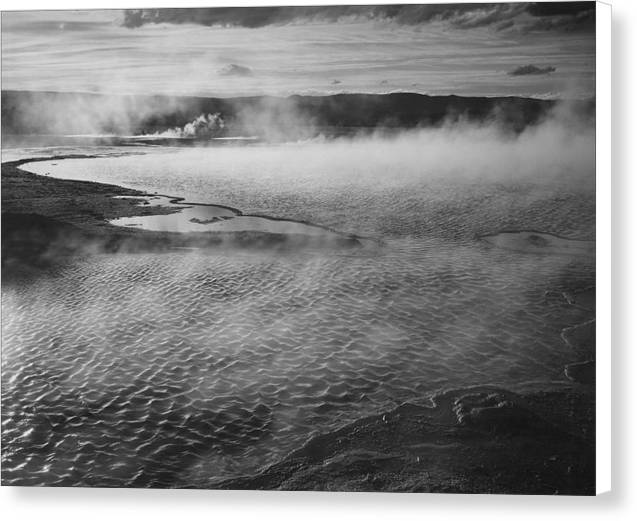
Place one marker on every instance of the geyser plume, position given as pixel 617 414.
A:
pixel 204 126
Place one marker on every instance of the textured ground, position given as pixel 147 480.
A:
pixel 473 441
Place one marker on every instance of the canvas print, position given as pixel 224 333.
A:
pixel 330 247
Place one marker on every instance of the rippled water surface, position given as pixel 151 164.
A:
pixel 184 368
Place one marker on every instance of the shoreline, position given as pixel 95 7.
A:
pixel 45 219
pixel 181 200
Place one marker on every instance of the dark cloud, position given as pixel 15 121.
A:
pixel 528 70
pixel 536 16
pixel 581 21
pixel 559 8
pixel 251 17
pixel 235 70
pixel 254 17
pixel 487 14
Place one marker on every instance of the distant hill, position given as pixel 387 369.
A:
pixel 62 113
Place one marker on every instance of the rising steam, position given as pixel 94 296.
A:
pixel 204 126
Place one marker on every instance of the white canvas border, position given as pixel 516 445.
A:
pixel 603 236
pixel 71 503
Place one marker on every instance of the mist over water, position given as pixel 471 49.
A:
pixel 360 185
pixel 192 366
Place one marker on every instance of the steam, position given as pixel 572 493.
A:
pixel 38 113
pixel 205 126
pixel 361 183
pixel 235 70
pixel 270 118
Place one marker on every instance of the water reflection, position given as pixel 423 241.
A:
pixel 189 217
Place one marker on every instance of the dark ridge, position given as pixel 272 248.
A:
pixel 63 113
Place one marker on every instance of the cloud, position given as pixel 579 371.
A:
pixel 527 70
pixel 535 16
pixel 235 70
pixel 507 24
pixel 486 15
pixel 576 22
pixel 559 8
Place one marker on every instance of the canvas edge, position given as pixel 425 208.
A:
pixel 603 233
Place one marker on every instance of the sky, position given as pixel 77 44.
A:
pixel 527 49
